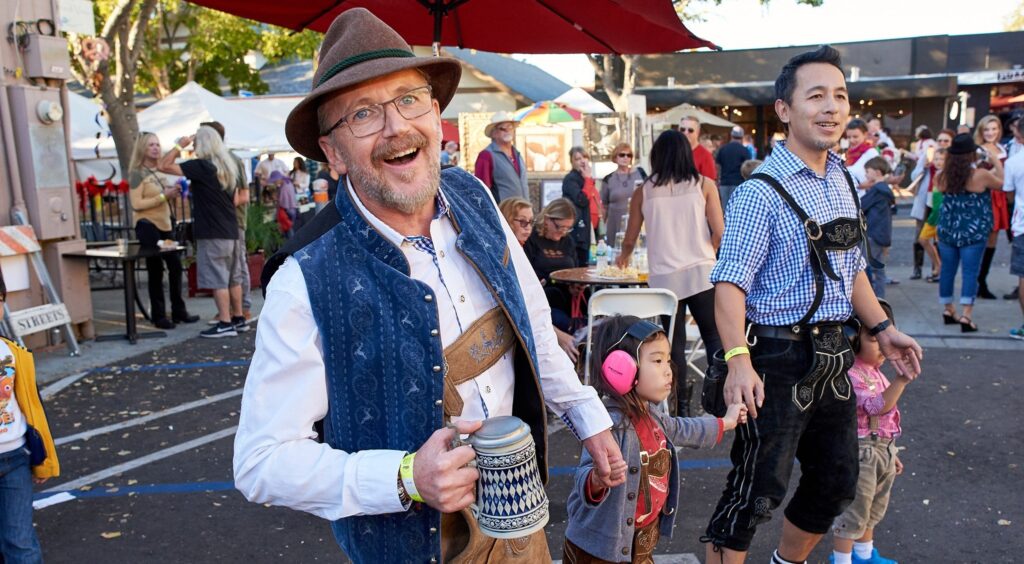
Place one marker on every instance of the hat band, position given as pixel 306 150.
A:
pixel 361 58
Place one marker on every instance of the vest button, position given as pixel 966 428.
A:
pixel 629 521
pixel 633 470
pixel 434 332
pixel 631 496
pixel 462 299
pixel 433 560
pixel 439 403
pixel 433 530
pixel 437 368
pixel 428 298
pixel 625 551
pixel 440 254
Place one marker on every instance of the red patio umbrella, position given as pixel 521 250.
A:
pixel 449 131
pixel 500 26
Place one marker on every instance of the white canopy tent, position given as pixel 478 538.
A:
pixel 582 100
pixel 673 115
pixel 248 132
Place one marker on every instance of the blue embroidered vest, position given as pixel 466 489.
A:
pixel 384 361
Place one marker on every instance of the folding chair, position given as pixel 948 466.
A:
pixel 696 348
pixel 641 302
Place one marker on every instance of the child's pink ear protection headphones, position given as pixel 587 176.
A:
pixel 619 367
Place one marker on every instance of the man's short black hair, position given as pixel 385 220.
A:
pixel 785 84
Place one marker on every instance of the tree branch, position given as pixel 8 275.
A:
pixel 116 19
pixel 137 36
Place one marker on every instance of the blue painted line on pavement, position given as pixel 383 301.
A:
pixel 200 487
pixel 155 367
pixel 188 487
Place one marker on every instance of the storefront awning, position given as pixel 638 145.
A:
pixel 763 93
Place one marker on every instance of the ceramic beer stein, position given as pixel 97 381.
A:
pixel 511 501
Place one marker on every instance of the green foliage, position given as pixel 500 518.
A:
pixel 1015 19
pixel 261 230
pixel 189 42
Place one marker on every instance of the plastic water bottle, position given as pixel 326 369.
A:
pixel 602 255
pixel 592 255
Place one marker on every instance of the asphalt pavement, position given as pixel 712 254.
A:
pixel 146 445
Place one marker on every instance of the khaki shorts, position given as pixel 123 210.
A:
pixel 928 232
pixel 877 473
pixel 219 263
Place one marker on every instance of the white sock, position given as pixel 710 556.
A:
pixel 864 549
pixel 776 559
pixel 842 557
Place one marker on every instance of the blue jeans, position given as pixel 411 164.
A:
pixel 951 257
pixel 18 541
pixel 876 274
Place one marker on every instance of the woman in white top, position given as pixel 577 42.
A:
pixel 300 176
pixel 685 222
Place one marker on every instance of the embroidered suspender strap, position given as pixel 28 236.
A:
pixel 873 425
pixel 813 232
pixel 476 350
pixel 645 480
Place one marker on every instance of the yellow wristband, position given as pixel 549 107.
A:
pixel 177 147
pixel 736 351
pixel 163 197
pixel 406 472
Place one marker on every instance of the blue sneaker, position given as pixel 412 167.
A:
pixel 875 559
pixel 1017 333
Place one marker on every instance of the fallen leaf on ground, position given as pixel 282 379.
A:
pixel 111 535
pixel 1003 523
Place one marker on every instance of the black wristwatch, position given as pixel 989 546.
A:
pixel 880 327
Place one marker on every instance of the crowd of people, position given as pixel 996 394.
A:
pixel 434 266
pixel 354 397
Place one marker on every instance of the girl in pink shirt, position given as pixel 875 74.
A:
pixel 878 425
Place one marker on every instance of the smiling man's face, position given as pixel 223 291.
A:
pixel 398 166
pixel 819 109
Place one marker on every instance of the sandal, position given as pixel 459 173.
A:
pixel 949 318
pixel 933 278
pixel 967 326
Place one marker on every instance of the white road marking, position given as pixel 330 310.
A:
pixel 52 500
pixel 51 390
pixel 133 464
pixel 146 418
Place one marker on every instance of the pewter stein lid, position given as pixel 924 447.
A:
pixel 499 431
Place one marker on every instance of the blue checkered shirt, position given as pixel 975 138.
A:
pixel 764 249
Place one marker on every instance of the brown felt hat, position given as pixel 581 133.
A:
pixel 358 47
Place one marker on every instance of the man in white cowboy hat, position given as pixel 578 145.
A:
pixel 366 312
pixel 500 166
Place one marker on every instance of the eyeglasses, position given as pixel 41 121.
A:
pixel 559 228
pixel 524 223
pixel 368 120
pixel 687 130
pixel 625 155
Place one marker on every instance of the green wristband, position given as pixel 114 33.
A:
pixel 407 480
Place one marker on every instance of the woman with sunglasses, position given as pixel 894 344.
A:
pixel 684 219
pixel 519 214
pixel 617 188
pixel 549 248
pixel 150 197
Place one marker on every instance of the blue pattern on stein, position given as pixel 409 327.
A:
pixel 375 322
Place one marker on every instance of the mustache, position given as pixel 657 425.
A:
pixel 388 147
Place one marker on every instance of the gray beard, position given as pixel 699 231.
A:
pixel 371 180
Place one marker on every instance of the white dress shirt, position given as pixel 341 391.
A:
pixel 277 459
